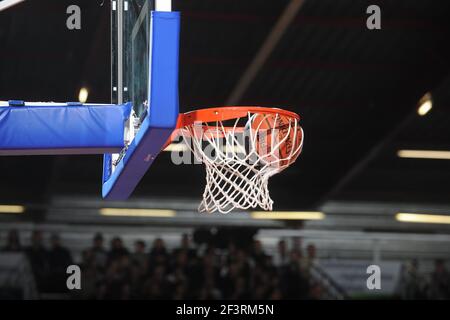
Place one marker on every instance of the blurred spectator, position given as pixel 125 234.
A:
pixel 117 250
pixel 98 252
pixel 310 260
pixel 38 257
pixel 118 278
pixel 282 256
pixel 258 255
pixel 412 283
pixel 158 253
pixel 185 246
pixel 157 286
pixel 59 259
pixel 90 276
pixel 295 285
pixel 13 242
pixel 439 288
pixel 139 257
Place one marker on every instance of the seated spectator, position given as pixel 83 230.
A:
pixel 439 288
pixel 282 255
pixel 38 257
pixel 186 246
pixel 59 259
pixel 260 282
pixel 294 283
pixel 98 253
pixel 90 277
pixel 159 254
pixel 412 283
pixel 258 254
pixel 243 264
pixel 310 260
pixel 117 250
pixel 157 286
pixel 118 279
pixel 139 257
pixel 13 242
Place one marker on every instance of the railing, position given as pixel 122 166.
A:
pixel 333 289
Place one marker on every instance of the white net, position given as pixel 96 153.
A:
pixel 241 157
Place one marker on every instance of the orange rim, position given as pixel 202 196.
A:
pixel 223 114
pixel 227 113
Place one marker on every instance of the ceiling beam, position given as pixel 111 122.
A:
pixel 277 32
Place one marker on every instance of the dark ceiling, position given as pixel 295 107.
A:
pixel 356 90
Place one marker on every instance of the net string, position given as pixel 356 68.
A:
pixel 233 181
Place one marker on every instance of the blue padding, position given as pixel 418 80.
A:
pixel 162 114
pixel 60 128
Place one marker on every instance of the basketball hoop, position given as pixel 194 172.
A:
pixel 241 148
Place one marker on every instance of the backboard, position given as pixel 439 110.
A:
pixel 144 73
pixel 130 29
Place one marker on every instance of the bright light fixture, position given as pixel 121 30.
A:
pixel 424 108
pixel 288 215
pixel 163 5
pixel 425 105
pixel 83 95
pixel 424 154
pixel 123 212
pixel 177 147
pixel 5 4
pixel 11 209
pixel 422 218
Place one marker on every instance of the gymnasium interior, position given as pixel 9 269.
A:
pixel 371 186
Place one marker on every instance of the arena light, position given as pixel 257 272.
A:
pixel 133 212
pixel 288 215
pixel 163 5
pixel 422 218
pixel 83 95
pixel 425 105
pixel 5 4
pixel 177 147
pixel 424 154
pixel 11 209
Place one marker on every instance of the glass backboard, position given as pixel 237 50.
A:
pixel 130 30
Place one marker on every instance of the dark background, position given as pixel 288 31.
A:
pixel 357 91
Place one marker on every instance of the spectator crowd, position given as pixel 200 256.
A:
pixel 415 285
pixel 187 272
pixel 198 271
